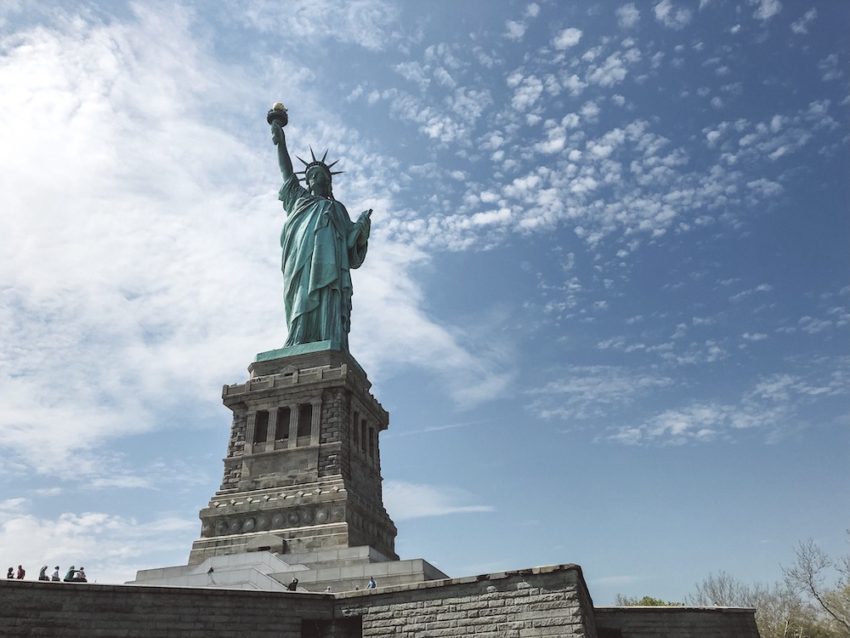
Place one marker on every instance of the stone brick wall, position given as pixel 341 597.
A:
pixel 545 601
pixel 235 450
pixel 540 602
pixel 74 610
pixel 334 413
pixel 675 622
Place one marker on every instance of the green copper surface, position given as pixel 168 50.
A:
pixel 304 348
pixel 307 348
pixel 320 246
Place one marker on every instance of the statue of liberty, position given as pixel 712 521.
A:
pixel 320 246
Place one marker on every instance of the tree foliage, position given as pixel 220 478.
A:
pixel 813 601
pixel 646 601
pixel 809 575
pixel 780 611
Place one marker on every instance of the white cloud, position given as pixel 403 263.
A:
pixel 830 68
pixel 812 325
pixel 761 288
pixel 414 72
pixel 628 15
pixel 554 144
pixel 590 110
pixel 501 216
pixel 514 30
pixel 567 38
pixel 671 16
pixel 802 24
pixel 610 72
pixel 766 9
pixel 585 392
pixel 771 405
pixel 527 93
pixel 405 501
pixel 765 187
pixel 367 23
pixel 111 548
pixel 574 84
pixel 653 193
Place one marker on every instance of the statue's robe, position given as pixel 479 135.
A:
pixel 319 245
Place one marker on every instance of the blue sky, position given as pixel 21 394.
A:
pixel 605 301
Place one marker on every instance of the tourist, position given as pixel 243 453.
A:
pixel 21 573
pixel 371 584
pixel 55 576
pixel 42 574
pixel 81 576
pixel 69 576
pixel 10 573
pixel 293 585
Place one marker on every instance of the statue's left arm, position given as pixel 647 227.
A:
pixel 358 239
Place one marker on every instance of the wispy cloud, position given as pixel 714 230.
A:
pixel 585 392
pixel 672 16
pixel 405 501
pixel 772 405
pixel 766 9
pixel 628 15
pixel 109 547
pixel 567 38
pixel 802 24
pixel 367 23
pixel 440 428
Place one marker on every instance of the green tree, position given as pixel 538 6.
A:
pixel 646 601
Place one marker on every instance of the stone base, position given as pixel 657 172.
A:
pixel 232 571
pixel 302 472
pixel 308 355
pixel 349 569
pixel 302 348
pixel 286 544
pixel 340 570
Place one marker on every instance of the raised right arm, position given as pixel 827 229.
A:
pixel 283 158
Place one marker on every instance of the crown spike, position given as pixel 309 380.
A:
pixel 312 154
pixel 332 163
pixel 336 172
pixel 325 156
pixel 301 160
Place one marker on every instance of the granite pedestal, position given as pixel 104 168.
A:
pixel 302 481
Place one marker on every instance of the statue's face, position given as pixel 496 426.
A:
pixel 319 182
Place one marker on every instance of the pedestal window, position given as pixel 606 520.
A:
pixel 261 426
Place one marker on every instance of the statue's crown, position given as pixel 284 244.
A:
pixel 317 163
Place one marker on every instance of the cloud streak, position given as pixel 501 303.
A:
pixel 405 501
pixel 771 406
